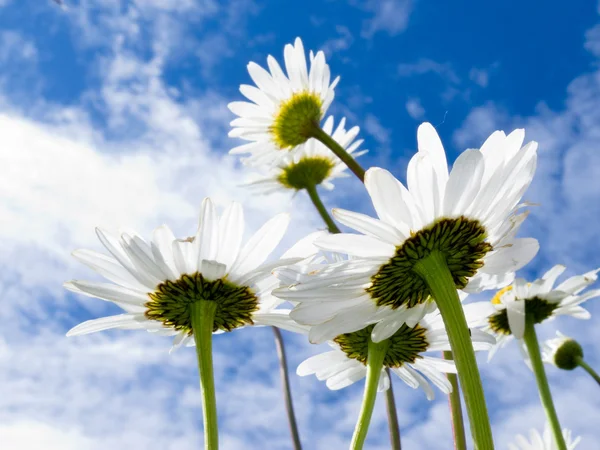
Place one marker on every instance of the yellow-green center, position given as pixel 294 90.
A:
pixel 406 345
pixel 296 119
pixel 536 309
pixel 170 302
pixel 306 173
pixel 461 241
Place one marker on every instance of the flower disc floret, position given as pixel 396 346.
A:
pixel 536 309
pixel 405 345
pixel 306 173
pixel 296 119
pixel 170 303
pixel 461 241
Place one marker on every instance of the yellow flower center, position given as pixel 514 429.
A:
pixel 306 173
pixel 295 119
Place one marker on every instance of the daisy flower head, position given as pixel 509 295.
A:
pixel 283 108
pixel 313 163
pixel 562 351
pixel 539 301
pixel 156 282
pixel 543 441
pixel 406 355
pixel 468 217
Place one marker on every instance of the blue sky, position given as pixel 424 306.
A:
pixel 113 113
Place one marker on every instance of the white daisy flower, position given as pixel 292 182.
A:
pixel 156 282
pixel 283 109
pixel 538 301
pixel 312 163
pixel 544 441
pixel 469 215
pixel 346 363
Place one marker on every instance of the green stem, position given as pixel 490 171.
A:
pixel 436 274
pixel 585 366
pixel 392 415
pixel 318 133
pixel 314 196
pixel 458 426
pixel 533 349
pixel 202 314
pixel 285 379
pixel 376 355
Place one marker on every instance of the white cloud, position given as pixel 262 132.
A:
pixel 342 41
pixel 414 108
pixel 480 77
pixel 390 16
pixel 424 66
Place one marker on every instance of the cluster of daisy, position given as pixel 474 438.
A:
pixel 388 297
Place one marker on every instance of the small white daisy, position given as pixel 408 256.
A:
pixel 539 301
pixel 283 109
pixel 312 163
pixel 469 215
pixel 156 282
pixel 538 441
pixel 346 363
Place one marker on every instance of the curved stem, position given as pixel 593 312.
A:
pixel 533 349
pixel 458 426
pixel 436 274
pixel 585 366
pixel 202 315
pixel 318 133
pixel 392 415
pixel 285 380
pixel 314 196
pixel 376 354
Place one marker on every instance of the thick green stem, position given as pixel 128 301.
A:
pixel 202 314
pixel 533 349
pixel 314 196
pixel 318 133
pixel 376 354
pixel 392 415
pixel 285 380
pixel 458 426
pixel 436 274
pixel 585 366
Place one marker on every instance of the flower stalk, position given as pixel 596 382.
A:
pixel 285 380
pixel 320 135
pixel 533 349
pixel 585 366
pixel 392 415
pixel 376 355
pixel 202 314
pixel 458 426
pixel 436 274
pixel 316 199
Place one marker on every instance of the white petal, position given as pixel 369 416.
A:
pixel 516 317
pixel 107 291
pixel 109 268
pixel 231 231
pixel 206 240
pixel 369 226
pixel 510 259
pixel 280 318
pixel 391 200
pixel 356 245
pixel 464 183
pixel 260 246
pixel 430 142
pixel 124 321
